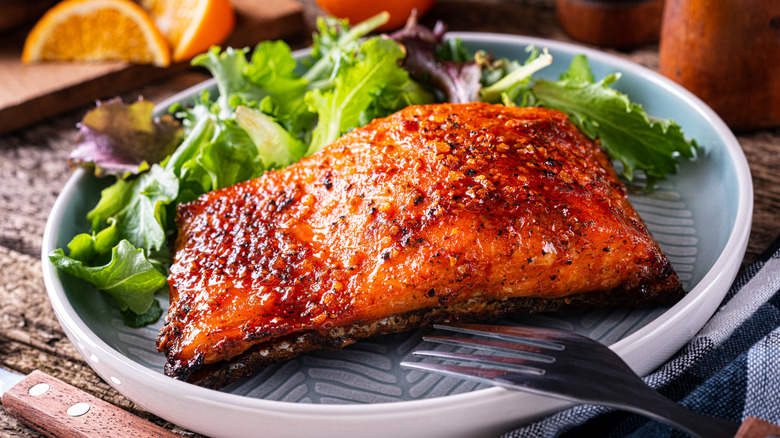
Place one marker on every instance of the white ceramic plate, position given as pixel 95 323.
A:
pixel 701 217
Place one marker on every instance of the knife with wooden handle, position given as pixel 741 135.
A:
pixel 56 409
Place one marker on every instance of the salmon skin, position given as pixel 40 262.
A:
pixel 445 212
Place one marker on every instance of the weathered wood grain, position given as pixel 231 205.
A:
pixel 762 149
pixel 49 411
pixel 32 173
pixel 31 338
pixel 33 167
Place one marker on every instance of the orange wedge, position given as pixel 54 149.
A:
pixel 97 30
pixel 192 26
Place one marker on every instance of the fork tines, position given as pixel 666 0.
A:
pixel 511 349
pixel 501 364
pixel 525 335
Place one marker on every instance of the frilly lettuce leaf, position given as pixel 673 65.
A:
pixel 624 129
pixel 117 138
pixel 335 42
pixel 227 67
pixel 89 247
pixel 128 277
pixel 369 82
pixel 444 67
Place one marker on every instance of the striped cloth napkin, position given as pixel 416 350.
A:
pixel 730 369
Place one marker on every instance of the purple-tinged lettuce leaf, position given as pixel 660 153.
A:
pixel 120 139
pixel 459 80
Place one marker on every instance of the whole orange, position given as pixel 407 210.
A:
pixel 358 10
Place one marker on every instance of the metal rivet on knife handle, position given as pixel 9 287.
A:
pixel 78 409
pixel 38 389
pixel 65 411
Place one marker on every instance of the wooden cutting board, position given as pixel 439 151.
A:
pixel 31 93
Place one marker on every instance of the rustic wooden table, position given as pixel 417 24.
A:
pixel 33 171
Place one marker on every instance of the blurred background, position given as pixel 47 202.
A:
pixel 727 52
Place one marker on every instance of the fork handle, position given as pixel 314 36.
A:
pixel 660 408
pixel 705 426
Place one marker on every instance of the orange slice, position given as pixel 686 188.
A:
pixel 97 30
pixel 192 26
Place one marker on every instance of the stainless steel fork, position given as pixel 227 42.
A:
pixel 563 365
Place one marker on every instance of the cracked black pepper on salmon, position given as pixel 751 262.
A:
pixel 438 212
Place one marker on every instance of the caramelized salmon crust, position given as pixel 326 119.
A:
pixel 438 212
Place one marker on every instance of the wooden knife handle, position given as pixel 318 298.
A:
pixel 757 428
pixel 56 409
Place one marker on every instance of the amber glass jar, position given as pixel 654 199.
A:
pixel 611 23
pixel 727 52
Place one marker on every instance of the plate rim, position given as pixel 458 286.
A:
pixel 723 269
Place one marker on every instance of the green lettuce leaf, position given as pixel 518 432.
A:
pixel 129 277
pixel 358 86
pixel 229 159
pixel 227 67
pixel 275 146
pixel 625 130
pixel 273 69
pixel 135 320
pixel 88 247
pixel 138 206
pixel 335 42
pixel 516 78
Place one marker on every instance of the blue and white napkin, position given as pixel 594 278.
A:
pixel 730 369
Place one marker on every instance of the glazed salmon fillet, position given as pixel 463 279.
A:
pixel 439 212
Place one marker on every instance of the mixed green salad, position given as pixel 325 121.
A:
pixel 272 109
